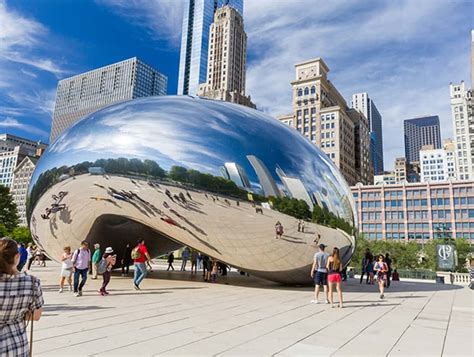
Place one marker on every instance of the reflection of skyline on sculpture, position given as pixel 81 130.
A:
pixel 181 141
pixel 179 170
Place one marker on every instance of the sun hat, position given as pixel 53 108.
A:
pixel 109 250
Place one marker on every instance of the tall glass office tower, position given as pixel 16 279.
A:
pixel 197 19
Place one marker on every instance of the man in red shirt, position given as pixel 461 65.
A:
pixel 140 256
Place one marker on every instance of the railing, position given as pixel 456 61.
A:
pixel 409 274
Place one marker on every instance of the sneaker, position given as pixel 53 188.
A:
pixel 106 292
pixel 327 301
pixel 381 296
pixel 136 287
pixel 80 293
pixel 77 294
pixel 60 290
pixel 314 301
pixel 101 293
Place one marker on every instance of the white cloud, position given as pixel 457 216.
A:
pixel 10 123
pixel 18 36
pixel 404 54
pixel 162 18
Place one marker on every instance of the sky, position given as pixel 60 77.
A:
pixel 403 53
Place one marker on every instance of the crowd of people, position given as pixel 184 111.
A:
pixel 327 272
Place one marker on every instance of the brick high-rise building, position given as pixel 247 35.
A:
pixel 227 59
pixel 87 92
pixel 321 114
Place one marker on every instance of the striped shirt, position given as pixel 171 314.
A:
pixel 19 294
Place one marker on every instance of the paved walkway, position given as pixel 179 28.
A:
pixel 176 314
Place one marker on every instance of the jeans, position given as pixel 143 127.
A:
pixel 106 276
pixel 140 273
pixel 183 264
pixel 83 274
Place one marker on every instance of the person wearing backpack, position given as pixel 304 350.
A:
pixel 80 261
pixel 140 256
pixel 105 268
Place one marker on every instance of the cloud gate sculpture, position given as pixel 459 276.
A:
pixel 178 171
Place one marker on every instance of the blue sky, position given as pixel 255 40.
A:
pixel 403 53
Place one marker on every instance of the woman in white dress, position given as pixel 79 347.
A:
pixel 66 269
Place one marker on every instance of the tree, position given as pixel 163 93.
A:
pixel 21 235
pixel 8 212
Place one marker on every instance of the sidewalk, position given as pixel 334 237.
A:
pixel 178 314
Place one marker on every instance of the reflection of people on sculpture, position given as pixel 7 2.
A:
pixel 189 196
pixel 258 209
pixel 181 196
pixel 278 230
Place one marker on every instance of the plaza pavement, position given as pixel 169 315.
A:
pixel 176 314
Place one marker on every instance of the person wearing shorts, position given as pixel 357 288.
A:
pixel 319 273
pixel 66 269
pixel 381 268
pixel 334 266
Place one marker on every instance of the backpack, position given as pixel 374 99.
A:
pixel 136 253
pixel 102 266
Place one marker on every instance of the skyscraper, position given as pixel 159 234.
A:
pixel 463 129
pixel 366 105
pixel 85 93
pixel 227 58
pixel 420 132
pixel 197 19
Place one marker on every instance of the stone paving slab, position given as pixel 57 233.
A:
pixel 177 314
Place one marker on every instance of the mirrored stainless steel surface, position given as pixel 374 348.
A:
pixel 183 171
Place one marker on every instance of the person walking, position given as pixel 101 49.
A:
pixel 184 258
pixel 80 265
pixel 214 271
pixel 23 257
pixel 140 256
pixel 334 267
pixel 388 261
pixel 380 267
pixel 170 261
pixel 363 268
pixel 22 301
pixel 370 269
pixel 126 260
pixel 205 260
pixel 110 259
pixel 31 255
pixel 319 273
pixel 194 259
pixel 66 269
pixel 95 260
